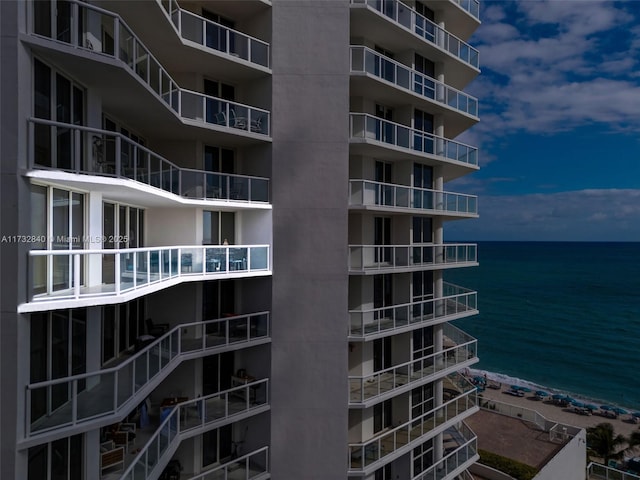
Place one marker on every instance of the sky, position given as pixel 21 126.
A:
pixel 559 131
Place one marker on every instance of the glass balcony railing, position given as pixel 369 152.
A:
pixel 365 60
pixel 76 274
pixel 384 257
pixel 104 33
pixel 455 301
pixel 195 417
pixel 409 434
pixel 369 387
pixel 408 18
pixel 212 35
pixel 79 149
pixel 596 471
pixel 251 466
pixel 369 193
pixel 367 127
pixel 81 398
pixel 462 450
pixel 471 6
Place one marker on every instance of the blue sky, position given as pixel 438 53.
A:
pixel 559 135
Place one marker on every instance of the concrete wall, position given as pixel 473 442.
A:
pixel 569 463
pixel 309 416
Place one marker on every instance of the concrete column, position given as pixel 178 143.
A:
pixel 94 233
pixel 310 156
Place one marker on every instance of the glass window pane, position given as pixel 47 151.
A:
pixel 38 461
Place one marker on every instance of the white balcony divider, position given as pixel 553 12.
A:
pixel 195 417
pixel 81 398
pixel 251 466
pixel 465 452
pixel 368 127
pixel 104 153
pixel 455 301
pixel 104 33
pixel 406 436
pixel 212 35
pixel 367 192
pixel 405 16
pixel 363 388
pixel 76 274
pixel 383 257
pixel 366 60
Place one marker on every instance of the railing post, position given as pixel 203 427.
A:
pixel 27 423
pixel 76 275
pixel 118 156
pixel 74 402
pixel 117 272
pixel 116 37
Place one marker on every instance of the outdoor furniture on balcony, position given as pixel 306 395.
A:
pixel 111 457
pixel 156 329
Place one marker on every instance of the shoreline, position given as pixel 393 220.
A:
pixel 565 415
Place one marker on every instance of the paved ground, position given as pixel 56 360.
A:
pixel 512 438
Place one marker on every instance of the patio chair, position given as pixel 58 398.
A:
pixel 236 121
pixel 156 329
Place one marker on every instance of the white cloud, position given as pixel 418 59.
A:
pixel 549 67
pixel 603 215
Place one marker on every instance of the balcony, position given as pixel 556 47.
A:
pixel 102 41
pixel 389 197
pixel 103 395
pixel 106 276
pixel 195 417
pixel 456 302
pixel 197 30
pixel 367 390
pixel 375 259
pixel 459 109
pixel 400 140
pixel 409 26
pixel 253 466
pixel 90 151
pixel 368 456
pixel 461 453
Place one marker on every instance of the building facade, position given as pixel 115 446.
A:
pixel 222 239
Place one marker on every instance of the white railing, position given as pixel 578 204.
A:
pixel 595 471
pixel 367 127
pixel 382 257
pixel 81 398
pixel 76 274
pixel 212 35
pixel 454 460
pixel 455 301
pixel 104 33
pixel 367 192
pixel 367 387
pixel 195 417
pixel 408 18
pixel 253 465
pixel 363 455
pixel 101 152
pixel 365 60
pixel 471 6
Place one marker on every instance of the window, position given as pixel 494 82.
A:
pixel 422 233
pixel 382 356
pixel 422 457
pixel 218 227
pixel 422 400
pixel 424 65
pixel 217 445
pixel 220 160
pixel 382 237
pixel 57 350
pixel 384 473
pixel 216 110
pixel 422 342
pixel 423 179
pixel 59 460
pixel 121 326
pixel 133 161
pixel 56 98
pixel 383 172
pixel 382 417
pixel 385 68
pixel 59 221
pixel 385 131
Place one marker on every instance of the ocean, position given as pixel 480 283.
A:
pixel 561 316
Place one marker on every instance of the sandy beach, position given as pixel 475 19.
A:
pixel 559 414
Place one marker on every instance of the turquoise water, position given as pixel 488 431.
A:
pixel 564 316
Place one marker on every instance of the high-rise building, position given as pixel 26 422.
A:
pixel 222 239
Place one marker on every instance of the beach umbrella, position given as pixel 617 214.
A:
pixel 557 396
pixel 515 387
pixel 525 389
pixel 578 404
pixel 606 407
pixel 636 414
pixel 591 406
pixel 620 411
pixel 542 393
